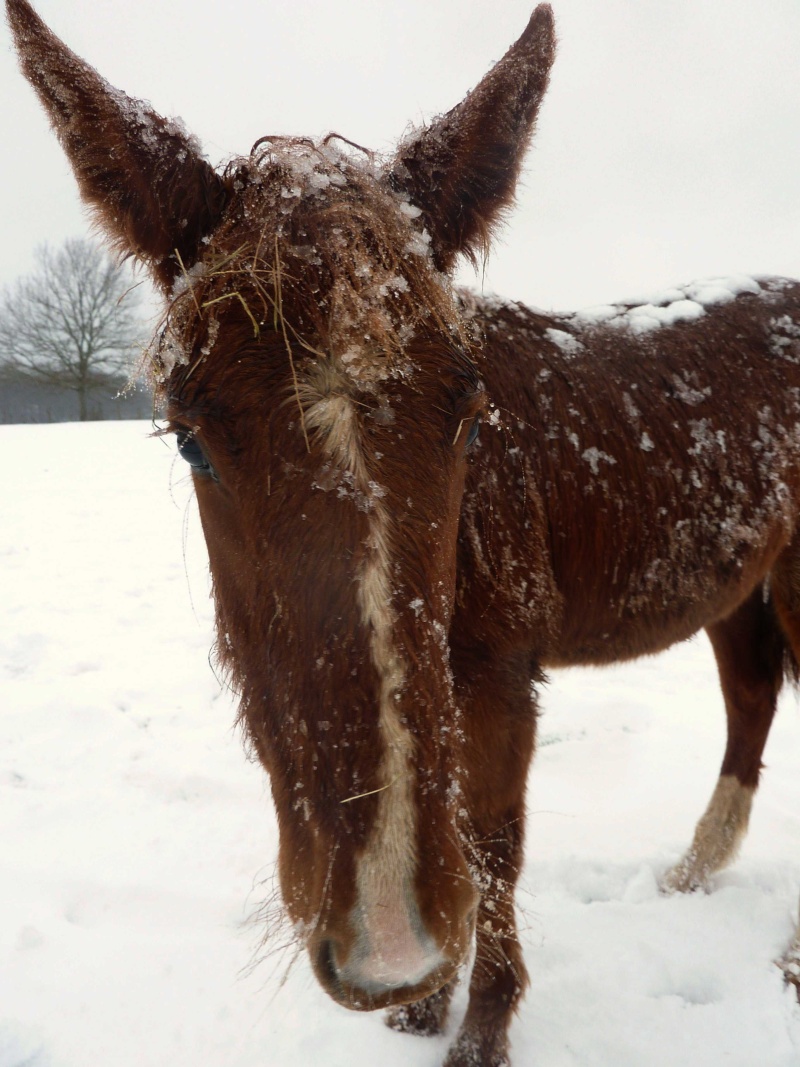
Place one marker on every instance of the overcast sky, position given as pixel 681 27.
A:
pixel 668 147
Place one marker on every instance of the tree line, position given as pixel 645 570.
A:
pixel 75 324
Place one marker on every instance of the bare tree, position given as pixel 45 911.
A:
pixel 73 322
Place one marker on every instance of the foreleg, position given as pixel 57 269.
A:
pixel 500 721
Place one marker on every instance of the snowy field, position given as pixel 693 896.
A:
pixel 136 841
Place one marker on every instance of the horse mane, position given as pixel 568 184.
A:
pixel 340 265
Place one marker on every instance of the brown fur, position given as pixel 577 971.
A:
pixel 642 545
pixel 386 599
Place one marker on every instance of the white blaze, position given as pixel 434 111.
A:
pixel 392 947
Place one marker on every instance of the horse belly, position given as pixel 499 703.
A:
pixel 637 609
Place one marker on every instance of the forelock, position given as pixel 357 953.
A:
pixel 317 245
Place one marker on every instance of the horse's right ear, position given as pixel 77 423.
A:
pixel 151 189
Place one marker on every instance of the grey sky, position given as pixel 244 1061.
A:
pixel 668 148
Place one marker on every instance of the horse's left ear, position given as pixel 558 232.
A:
pixel 152 191
pixel 461 171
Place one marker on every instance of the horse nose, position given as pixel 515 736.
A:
pixel 393 945
pixel 377 968
pixel 366 980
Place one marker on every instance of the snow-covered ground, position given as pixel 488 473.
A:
pixel 136 840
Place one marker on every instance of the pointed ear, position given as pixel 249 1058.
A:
pixel 461 171
pixel 151 189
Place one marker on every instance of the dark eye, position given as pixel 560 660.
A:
pixel 474 429
pixel 191 451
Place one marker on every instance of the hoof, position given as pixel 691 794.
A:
pixel 789 964
pixel 469 1051
pixel 407 1021
pixel 425 1018
pixel 685 877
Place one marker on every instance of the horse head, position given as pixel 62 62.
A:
pixel 317 372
